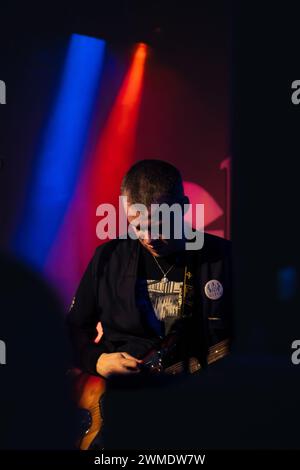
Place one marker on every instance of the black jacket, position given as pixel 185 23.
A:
pixel 107 294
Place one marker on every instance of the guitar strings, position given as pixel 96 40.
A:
pixel 220 350
pixel 222 347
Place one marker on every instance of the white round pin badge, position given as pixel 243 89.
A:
pixel 213 289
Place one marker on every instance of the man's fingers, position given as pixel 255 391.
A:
pixel 129 363
pixel 128 356
pixel 126 371
pixel 123 370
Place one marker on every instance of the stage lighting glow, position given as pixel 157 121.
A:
pixel 141 52
pixel 99 182
pixel 60 157
pixel 114 153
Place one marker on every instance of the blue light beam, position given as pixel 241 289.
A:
pixel 60 159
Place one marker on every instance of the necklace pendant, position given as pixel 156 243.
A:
pixel 164 279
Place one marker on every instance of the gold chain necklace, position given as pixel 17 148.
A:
pixel 164 279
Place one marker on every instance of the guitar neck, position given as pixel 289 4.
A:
pixel 215 352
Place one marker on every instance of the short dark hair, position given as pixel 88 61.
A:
pixel 148 180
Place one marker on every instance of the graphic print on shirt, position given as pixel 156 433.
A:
pixel 166 298
pixel 160 303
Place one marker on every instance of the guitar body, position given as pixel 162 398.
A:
pixel 89 390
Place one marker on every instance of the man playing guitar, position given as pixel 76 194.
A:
pixel 147 290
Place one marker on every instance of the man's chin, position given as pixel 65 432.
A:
pixel 161 250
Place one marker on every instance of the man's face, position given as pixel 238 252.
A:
pixel 163 241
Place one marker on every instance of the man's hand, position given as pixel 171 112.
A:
pixel 117 363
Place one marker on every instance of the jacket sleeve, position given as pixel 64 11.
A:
pixel 82 320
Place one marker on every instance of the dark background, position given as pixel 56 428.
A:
pixel 184 114
pixel 250 400
pixel 185 110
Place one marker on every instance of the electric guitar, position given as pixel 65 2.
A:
pixel 89 389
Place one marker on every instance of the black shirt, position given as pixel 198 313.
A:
pixel 108 294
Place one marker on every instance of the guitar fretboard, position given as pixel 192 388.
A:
pixel 215 352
